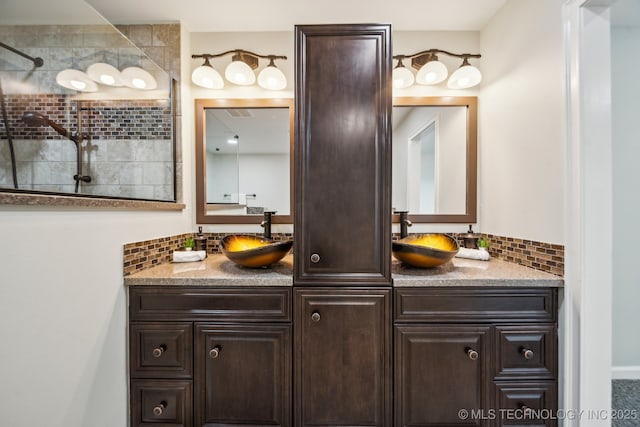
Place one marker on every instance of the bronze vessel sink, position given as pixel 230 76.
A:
pixel 425 250
pixel 254 251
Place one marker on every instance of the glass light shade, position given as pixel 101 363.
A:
pixel 76 80
pixel 105 74
pixel 205 76
pixel 272 78
pixel 137 78
pixel 464 77
pixel 240 73
pixel 432 73
pixel 402 77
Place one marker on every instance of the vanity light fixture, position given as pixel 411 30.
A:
pixel 206 76
pixel 402 76
pixel 76 80
pixel 137 78
pixel 240 71
pixel 105 74
pixel 431 71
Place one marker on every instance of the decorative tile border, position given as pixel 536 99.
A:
pixel 139 256
pixel 540 256
pixel 124 119
pixel 529 253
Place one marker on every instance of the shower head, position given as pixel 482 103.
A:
pixel 36 119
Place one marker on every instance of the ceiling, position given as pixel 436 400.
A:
pixel 218 16
pixel 261 15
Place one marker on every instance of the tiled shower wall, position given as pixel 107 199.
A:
pixel 128 147
pixel 128 151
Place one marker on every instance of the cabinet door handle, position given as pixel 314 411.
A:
pixel 472 354
pixel 157 352
pixel 159 408
pixel 527 353
pixel 315 316
pixel 315 258
pixel 214 352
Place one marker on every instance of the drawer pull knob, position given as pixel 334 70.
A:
pixel 315 316
pixel 528 354
pixel 159 409
pixel 157 352
pixel 525 410
pixel 315 258
pixel 472 354
pixel 214 352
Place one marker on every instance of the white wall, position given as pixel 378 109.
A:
pixel 263 175
pixel 626 197
pixel 522 122
pixel 63 306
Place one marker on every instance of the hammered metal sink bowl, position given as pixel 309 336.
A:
pixel 254 251
pixel 425 250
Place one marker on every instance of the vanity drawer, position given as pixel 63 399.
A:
pixel 495 305
pixel 525 351
pixel 161 403
pixel 250 304
pixel 161 350
pixel 533 404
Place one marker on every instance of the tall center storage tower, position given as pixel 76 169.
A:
pixel 342 258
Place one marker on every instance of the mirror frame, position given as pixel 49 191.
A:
pixel 471 102
pixel 202 217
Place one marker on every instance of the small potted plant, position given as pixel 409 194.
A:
pixel 483 244
pixel 188 244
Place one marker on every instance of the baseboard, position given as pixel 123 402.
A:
pixel 625 373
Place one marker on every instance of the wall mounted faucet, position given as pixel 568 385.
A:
pixel 266 223
pixel 33 118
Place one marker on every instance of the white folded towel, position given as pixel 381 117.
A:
pixel 473 254
pixel 189 256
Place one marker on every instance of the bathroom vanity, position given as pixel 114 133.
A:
pixel 212 343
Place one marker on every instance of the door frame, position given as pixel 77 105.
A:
pixel 587 307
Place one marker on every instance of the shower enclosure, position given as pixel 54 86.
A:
pixel 116 142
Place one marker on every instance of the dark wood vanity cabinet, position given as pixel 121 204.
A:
pixel 243 374
pixel 342 221
pixel 475 356
pixel 342 357
pixel 439 371
pixel 210 356
pixel 343 155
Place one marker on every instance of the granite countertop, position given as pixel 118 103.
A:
pixel 217 270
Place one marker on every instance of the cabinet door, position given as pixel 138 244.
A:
pixel 242 375
pixel 343 155
pixel 441 372
pixel 343 357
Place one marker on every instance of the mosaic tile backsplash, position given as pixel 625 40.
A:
pixel 537 255
pixel 127 149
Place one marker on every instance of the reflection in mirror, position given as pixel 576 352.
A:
pixel 243 160
pixel 62 133
pixel 434 158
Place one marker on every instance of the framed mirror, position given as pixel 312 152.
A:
pixel 244 160
pixel 435 159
